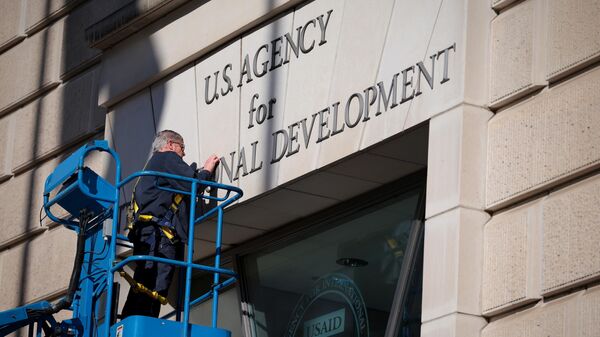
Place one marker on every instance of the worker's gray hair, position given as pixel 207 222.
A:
pixel 163 137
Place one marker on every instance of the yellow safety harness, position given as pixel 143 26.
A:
pixel 169 231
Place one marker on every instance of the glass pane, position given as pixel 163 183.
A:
pixel 339 282
pixel 410 322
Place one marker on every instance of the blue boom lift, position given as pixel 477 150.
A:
pixel 92 203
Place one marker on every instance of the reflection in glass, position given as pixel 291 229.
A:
pixel 339 282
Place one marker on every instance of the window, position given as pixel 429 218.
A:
pixel 345 276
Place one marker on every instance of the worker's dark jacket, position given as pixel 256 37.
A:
pixel 154 201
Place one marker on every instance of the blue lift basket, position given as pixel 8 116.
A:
pixel 93 213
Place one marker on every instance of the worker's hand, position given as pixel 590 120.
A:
pixel 211 163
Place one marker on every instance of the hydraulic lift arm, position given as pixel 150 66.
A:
pixel 92 204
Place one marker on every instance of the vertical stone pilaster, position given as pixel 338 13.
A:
pixel 452 263
pixel 453 257
pixel 456 164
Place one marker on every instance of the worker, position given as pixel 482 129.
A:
pixel 161 220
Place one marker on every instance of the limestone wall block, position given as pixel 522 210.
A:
pixel 456 161
pixel 549 320
pixel 453 258
pixel 573 36
pixel 512 259
pixel 542 248
pixel 75 52
pixel 11 23
pixel 575 315
pixel 21 199
pixel 56 120
pixel 516 66
pixel 37 269
pixel 33 65
pixel 543 141
pixel 588 309
pixel 40 13
pixel 572 236
pixel 7 135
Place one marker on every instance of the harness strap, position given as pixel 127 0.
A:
pixel 176 202
pixel 133 216
pixel 140 288
pixel 168 231
pixel 133 206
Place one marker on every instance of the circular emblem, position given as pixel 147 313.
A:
pixel 334 306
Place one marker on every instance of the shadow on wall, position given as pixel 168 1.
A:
pixel 269 128
pixel 75 120
pixel 31 193
pixel 131 124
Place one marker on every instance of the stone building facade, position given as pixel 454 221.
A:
pixel 488 110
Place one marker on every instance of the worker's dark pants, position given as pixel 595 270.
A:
pixel 149 240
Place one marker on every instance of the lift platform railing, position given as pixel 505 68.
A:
pixel 232 193
pixel 104 199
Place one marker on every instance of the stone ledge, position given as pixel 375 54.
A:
pixel 572 32
pixel 56 121
pixel 575 315
pixel 498 5
pixel 6 45
pixel 7 137
pixel 28 98
pixel 40 14
pixel 35 62
pixel 561 128
pixel 11 23
pixel 76 54
pixel 128 69
pixel 16 240
pixel 20 203
pixel 127 20
pixel 38 268
pixel 542 248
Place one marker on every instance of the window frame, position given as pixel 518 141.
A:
pixel 329 218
